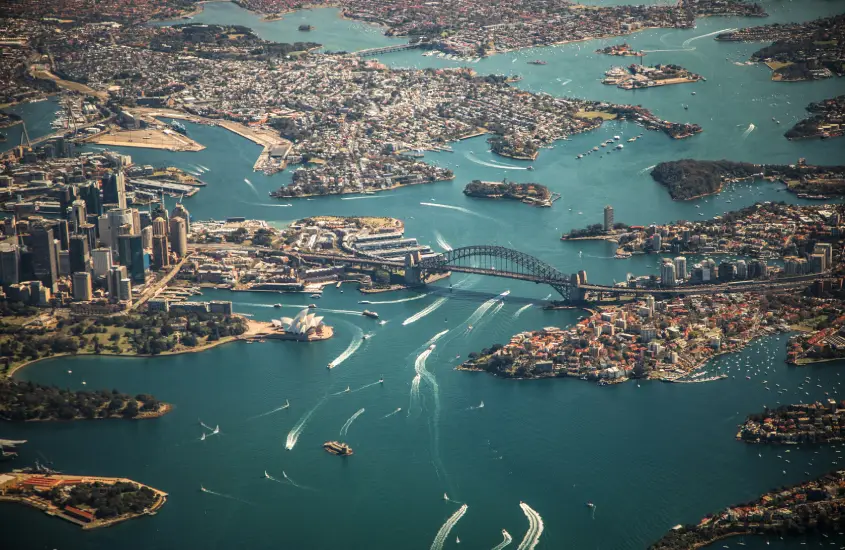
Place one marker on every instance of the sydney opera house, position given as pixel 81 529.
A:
pixel 305 326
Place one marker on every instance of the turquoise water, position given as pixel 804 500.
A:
pixel 38 117
pixel 649 457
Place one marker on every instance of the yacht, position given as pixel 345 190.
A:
pixel 316 295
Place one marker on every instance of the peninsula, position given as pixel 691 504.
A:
pixel 29 401
pixel 87 501
pixel 828 120
pixel 799 51
pixel 690 179
pixel 810 507
pixel 533 194
pixel 810 423
pixel 635 76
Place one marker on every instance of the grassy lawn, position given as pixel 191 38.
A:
pixel 775 65
pixel 595 114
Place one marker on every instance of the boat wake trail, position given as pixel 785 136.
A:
pixel 415 394
pixel 292 482
pixel 274 205
pixel 206 426
pixel 443 533
pixel 472 158
pixel 365 386
pixel 419 315
pixel 687 42
pixel 353 346
pixel 748 131
pixel 251 186
pixel 345 428
pixel 283 407
pixel 535 528
pixel 520 310
pixel 442 242
pixel 360 198
pixel 200 168
pixel 507 540
pixel 419 367
pixel 450 207
pixel 403 300
pixel 565 82
pixel 646 169
pixel 476 407
pixel 480 311
pixel 388 415
pixel 224 495
pixel 293 435
pixel 435 338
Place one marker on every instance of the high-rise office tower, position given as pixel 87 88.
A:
pixel 680 267
pixel 667 273
pixel 79 214
pixel 45 260
pixel 178 237
pixel 114 189
pixel 131 255
pixel 102 261
pixel 180 211
pixel 82 290
pixel 79 254
pixel 90 193
pixel 117 273
pixel 63 233
pixel 10 264
pixel 159 227
pixel 147 237
pixel 161 257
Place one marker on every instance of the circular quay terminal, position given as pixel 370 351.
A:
pixel 384 274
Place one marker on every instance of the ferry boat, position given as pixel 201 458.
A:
pixel 370 314
pixel 277 305
pixel 179 127
pixel 312 306
pixel 337 448
pixel 537 62
pixel 364 302
pixel 316 295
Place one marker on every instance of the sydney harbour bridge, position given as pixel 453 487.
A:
pixel 499 261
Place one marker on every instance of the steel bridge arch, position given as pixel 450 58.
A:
pixel 499 260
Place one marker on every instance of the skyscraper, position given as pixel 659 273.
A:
pixel 827 250
pixel 63 233
pixel 114 189
pixel 79 254
pixel 180 211
pixel 79 214
pixel 159 227
pixel 117 219
pixel 667 273
pixel 10 264
pixel 117 273
pixel 90 193
pixel 161 257
pixel 82 287
pixel 131 254
pixel 681 267
pixel 102 261
pixel 178 237
pixel 45 261
pixel 147 237
pixel 608 218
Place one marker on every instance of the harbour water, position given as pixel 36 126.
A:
pixel 649 456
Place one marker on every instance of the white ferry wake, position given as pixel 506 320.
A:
pixel 565 82
pixel 292 482
pixel 693 39
pixel 521 310
pixel 415 393
pixel 748 131
pixel 435 338
pixel 450 207
pixel 388 415
pixel 224 495
pixel 419 315
pixel 361 198
pixel 251 186
pixel 350 349
pixel 206 168
pixel 507 540
pixel 403 300
pixel 443 533
pixel 535 528
pixel 283 407
pixel 492 165
pixel 293 435
pixel 442 242
pixel 646 169
pixel 345 429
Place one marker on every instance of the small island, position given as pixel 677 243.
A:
pixel 814 506
pixel 828 120
pixel 623 50
pixel 809 423
pixel 691 179
pixel 88 501
pixel 305 28
pixel 528 193
pixel 512 147
pixel 635 77
pixel 28 401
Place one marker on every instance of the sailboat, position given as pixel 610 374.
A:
pixel 445 496
pixel 457 540
pixel 202 438
pixel 287 403
pixel 266 474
